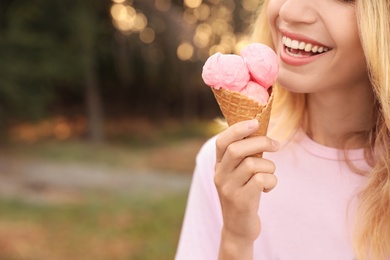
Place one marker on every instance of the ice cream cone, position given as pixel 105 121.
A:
pixel 237 107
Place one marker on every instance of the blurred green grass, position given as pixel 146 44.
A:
pixel 104 226
pixel 101 227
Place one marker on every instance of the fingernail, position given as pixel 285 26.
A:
pixel 275 143
pixel 252 123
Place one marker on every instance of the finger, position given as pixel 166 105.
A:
pixel 234 133
pixel 260 182
pixel 236 152
pixel 245 171
pixel 249 167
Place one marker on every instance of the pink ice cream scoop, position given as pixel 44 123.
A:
pixel 256 92
pixel 262 63
pixel 250 74
pixel 226 71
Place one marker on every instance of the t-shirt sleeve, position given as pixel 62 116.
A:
pixel 201 230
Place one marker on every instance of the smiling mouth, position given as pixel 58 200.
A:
pixel 297 48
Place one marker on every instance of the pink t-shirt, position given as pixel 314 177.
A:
pixel 308 216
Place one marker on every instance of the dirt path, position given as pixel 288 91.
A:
pixel 44 181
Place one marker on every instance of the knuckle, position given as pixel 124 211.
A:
pixel 226 193
pixel 219 143
pixel 273 183
pixel 265 141
pixel 236 130
pixel 271 167
pixel 275 180
pixel 259 179
pixel 233 151
pixel 249 164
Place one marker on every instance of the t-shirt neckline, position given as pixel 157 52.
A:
pixel 327 152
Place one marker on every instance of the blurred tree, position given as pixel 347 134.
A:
pixel 48 47
pixel 130 57
pixel 86 23
pixel 32 55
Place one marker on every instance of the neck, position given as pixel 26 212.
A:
pixel 335 116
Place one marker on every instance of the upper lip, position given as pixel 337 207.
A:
pixel 302 38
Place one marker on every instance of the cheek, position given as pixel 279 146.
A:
pixel 351 53
pixel 357 68
pixel 273 8
pixel 272 15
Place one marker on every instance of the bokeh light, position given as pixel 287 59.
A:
pixel 250 5
pixel 215 2
pixel 140 22
pixel 147 35
pixel 185 51
pixel 127 19
pixel 118 11
pixel 202 12
pixel 242 41
pixel 202 35
pixel 217 25
pixel 192 3
pixel 189 16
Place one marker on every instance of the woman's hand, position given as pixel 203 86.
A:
pixel 240 179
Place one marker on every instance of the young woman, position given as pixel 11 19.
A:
pixel 322 190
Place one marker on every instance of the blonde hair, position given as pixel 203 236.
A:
pixel 372 220
pixel 372 237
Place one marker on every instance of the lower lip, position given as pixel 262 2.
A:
pixel 297 61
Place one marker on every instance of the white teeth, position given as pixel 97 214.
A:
pixel 295 44
pixel 287 41
pixel 308 47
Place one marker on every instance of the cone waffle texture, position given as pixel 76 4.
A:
pixel 237 107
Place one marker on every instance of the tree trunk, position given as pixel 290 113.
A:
pixel 93 102
pixel 88 22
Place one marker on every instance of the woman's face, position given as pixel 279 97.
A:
pixel 318 45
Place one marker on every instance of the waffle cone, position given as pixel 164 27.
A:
pixel 237 107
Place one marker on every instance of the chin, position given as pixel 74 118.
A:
pixel 297 83
pixel 294 87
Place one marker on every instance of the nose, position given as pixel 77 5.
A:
pixel 298 11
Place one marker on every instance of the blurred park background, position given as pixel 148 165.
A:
pixel 102 112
